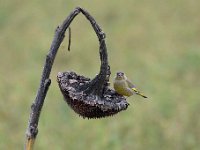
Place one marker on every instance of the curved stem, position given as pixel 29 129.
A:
pixel 36 107
pixel 97 84
pixel 45 82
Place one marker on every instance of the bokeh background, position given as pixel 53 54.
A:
pixel 156 43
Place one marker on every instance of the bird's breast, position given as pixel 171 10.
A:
pixel 121 87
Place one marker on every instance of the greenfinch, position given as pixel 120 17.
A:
pixel 124 87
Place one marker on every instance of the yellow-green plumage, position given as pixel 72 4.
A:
pixel 124 87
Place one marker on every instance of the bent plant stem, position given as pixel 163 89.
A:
pixel 95 86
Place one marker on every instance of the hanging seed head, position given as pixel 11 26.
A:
pixel 85 104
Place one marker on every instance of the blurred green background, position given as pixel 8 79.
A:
pixel 156 43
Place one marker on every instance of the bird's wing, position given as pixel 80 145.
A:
pixel 130 85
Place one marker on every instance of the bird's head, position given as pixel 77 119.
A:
pixel 120 76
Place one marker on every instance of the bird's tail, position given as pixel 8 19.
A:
pixel 138 92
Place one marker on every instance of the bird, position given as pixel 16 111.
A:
pixel 124 87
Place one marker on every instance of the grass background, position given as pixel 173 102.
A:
pixel 156 43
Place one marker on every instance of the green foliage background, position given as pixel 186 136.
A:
pixel 156 43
